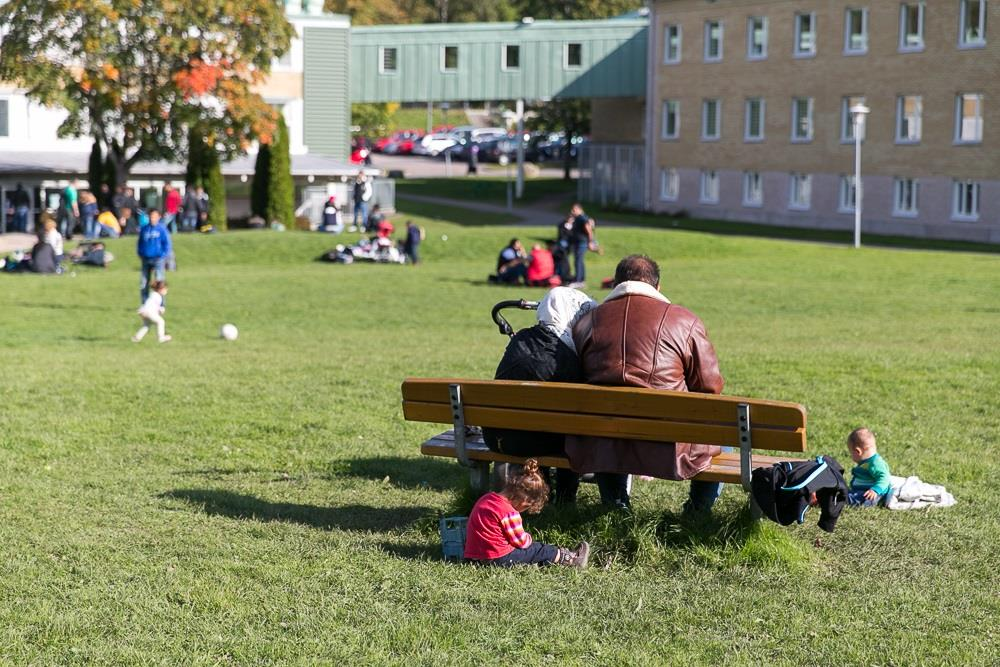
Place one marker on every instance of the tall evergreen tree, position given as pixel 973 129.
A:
pixel 281 187
pixel 204 168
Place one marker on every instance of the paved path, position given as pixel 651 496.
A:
pixel 526 215
pixel 16 241
pixel 419 166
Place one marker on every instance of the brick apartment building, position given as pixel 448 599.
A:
pixel 748 113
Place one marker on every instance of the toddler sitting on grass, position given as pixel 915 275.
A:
pixel 870 477
pixel 495 536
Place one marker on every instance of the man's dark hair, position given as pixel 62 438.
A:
pixel 512 242
pixel 152 211
pixel 638 267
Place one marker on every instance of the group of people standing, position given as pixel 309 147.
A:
pixel 548 265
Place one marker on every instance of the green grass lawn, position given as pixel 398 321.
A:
pixel 263 502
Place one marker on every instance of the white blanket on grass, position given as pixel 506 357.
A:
pixel 909 493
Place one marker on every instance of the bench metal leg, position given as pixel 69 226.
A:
pixel 756 513
pixel 746 446
pixel 479 476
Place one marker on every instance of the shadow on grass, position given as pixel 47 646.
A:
pixel 422 552
pixel 405 473
pixel 348 517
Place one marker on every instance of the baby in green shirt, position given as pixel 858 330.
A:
pixel 870 477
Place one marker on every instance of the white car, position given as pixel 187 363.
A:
pixel 432 144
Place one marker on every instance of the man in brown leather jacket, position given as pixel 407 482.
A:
pixel 637 338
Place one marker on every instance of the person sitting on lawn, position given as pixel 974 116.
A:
pixel 542 269
pixel 511 264
pixel 870 477
pixel 108 225
pixel 544 353
pixel 495 534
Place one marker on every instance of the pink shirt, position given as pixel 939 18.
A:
pixel 494 529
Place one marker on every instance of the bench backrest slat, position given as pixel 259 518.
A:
pixel 625 412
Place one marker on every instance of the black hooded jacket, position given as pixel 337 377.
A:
pixel 783 491
pixel 534 354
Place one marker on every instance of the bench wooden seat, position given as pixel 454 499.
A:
pixel 622 412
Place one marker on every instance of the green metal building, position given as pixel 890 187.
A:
pixel 529 60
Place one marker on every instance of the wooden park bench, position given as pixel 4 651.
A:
pixel 746 424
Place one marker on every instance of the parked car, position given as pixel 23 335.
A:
pixel 397 142
pixel 432 144
pixel 502 151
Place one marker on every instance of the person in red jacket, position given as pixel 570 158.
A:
pixel 542 269
pixel 495 534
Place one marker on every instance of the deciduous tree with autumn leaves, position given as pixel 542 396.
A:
pixel 137 75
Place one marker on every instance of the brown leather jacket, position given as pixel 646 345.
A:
pixel 636 340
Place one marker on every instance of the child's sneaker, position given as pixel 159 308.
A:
pixel 166 339
pixel 136 339
pixel 577 558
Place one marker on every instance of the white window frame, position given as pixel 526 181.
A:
pixel 847 194
pixel 898 189
pixel 718 119
pixel 959 118
pixel 809 116
pixel 669 184
pixel 667 60
pixel 750 37
pixel 847 120
pixel 566 64
pixel 381 60
pixel 707 37
pixel 849 49
pixel 504 65
pixel 667 136
pixel 903 46
pixel 979 43
pixel 798 52
pixel 901 116
pixel 959 196
pixel 748 177
pixel 444 58
pixel 705 196
pixel 751 138
pixel 795 186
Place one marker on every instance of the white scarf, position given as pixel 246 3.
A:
pixel 635 288
pixel 560 309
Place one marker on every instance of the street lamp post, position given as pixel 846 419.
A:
pixel 858 113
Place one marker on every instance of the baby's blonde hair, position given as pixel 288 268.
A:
pixel 861 438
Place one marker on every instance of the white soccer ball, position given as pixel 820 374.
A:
pixel 444 237
pixel 229 331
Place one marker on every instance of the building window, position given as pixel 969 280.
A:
pixel 511 57
pixel 713 41
pixel 669 184
pixel 848 195
pixel 4 118
pixel 387 60
pixel 856 31
pixel 847 119
pixel 805 35
pixel 753 189
pixel 710 121
pixel 754 120
pixel 969 118
pixel 573 56
pixel 973 26
pixel 800 192
pixel 911 26
pixel 671 119
pixel 449 58
pixel 802 125
pixel 966 205
pixel 909 109
pixel 671 44
pixel 757 38
pixel 709 187
pixel 905 198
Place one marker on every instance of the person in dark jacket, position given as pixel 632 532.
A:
pixel 638 338
pixel 43 258
pixel 153 248
pixel 785 491
pixel 543 353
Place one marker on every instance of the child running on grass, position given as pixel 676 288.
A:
pixel 870 477
pixel 151 312
pixel 495 536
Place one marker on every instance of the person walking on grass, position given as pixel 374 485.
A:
pixel 411 246
pixel 495 535
pixel 151 312
pixel 362 195
pixel 581 241
pixel 154 248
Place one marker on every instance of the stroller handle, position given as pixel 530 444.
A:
pixel 499 319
